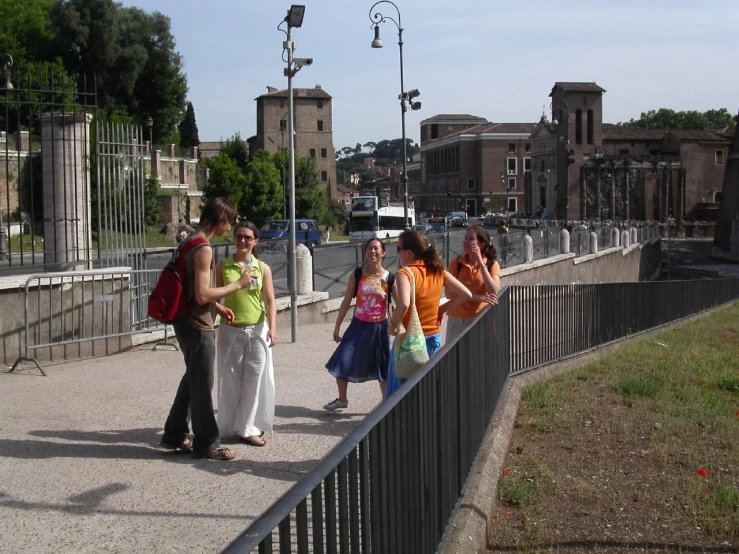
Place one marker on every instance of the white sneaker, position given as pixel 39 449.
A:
pixel 335 404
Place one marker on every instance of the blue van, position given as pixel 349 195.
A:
pixel 306 231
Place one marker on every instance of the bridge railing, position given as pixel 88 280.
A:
pixel 394 484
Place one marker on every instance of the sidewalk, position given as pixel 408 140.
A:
pixel 80 471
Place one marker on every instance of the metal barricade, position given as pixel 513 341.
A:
pixel 89 312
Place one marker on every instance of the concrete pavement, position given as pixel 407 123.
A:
pixel 80 471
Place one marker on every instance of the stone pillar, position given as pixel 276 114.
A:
pixel 614 237
pixel 304 269
pixel 627 193
pixel 65 160
pixel 195 152
pixel 593 239
pixel 170 150
pixel 625 239
pixel 583 207
pixel 633 235
pixel 564 241
pixel 156 158
pixel 528 249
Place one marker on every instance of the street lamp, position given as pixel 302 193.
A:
pixel 561 147
pixel 406 98
pixel 150 125
pixel 293 19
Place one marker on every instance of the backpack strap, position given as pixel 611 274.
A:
pixel 390 283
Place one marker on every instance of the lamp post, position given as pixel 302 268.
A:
pixel 406 98
pixel 150 125
pixel 8 87
pixel 293 19
pixel 6 69
pixel 561 147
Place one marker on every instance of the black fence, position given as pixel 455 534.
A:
pixel 395 483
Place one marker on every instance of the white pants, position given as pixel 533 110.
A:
pixel 246 381
pixel 454 326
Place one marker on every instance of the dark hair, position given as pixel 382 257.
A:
pixel 254 229
pixel 482 235
pixel 366 244
pixel 217 211
pixel 417 244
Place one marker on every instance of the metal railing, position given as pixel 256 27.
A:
pixel 394 484
pixel 67 310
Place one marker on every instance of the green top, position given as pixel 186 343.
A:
pixel 246 304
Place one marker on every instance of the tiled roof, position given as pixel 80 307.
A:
pixel 298 93
pixel 510 128
pixel 210 145
pixel 618 132
pixel 453 117
pixel 578 87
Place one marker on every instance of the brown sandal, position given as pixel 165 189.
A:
pixel 254 440
pixel 220 454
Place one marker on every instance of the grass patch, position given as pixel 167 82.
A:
pixel 625 439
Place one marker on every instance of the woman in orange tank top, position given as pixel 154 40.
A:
pixel 416 255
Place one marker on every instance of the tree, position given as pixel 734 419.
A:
pixel 225 179
pixel 665 118
pixel 24 32
pixel 235 148
pixel 189 129
pixel 151 200
pixel 310 196
pixel 262 197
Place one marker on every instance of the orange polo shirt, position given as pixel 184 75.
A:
pixel 472 279
pixel 428 295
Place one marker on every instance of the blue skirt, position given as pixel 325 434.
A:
pixel 362 354
pixel 433 343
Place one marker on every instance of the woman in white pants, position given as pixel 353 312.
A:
pixel 246 382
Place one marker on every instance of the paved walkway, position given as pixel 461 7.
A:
pixel 80 472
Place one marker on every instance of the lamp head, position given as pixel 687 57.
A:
pixel 150 122
pixel 377 43
pixel 415 105
pixel 413 94
pixel 295 15
pixel 6 67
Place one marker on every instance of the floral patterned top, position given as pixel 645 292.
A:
pixel 372 298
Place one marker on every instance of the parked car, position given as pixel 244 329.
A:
pixel 458 222
pixel 423 228
pixel 306 231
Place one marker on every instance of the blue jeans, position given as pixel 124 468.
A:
pixel 194 393
pixel 433 343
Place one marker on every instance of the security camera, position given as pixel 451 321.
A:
pixel 300 62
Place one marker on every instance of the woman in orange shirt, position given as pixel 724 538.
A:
pixel 478 270
pixel 416 255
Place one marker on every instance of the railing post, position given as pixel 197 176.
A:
pixel 564 241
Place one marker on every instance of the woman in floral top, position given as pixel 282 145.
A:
pixel 364 350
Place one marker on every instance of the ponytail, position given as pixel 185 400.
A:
pixel 433 261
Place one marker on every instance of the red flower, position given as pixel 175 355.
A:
pixel 506 470
pixel 736 414
pixel 509 513
pixel 703 472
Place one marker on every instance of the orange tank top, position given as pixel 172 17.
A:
pixel 428 295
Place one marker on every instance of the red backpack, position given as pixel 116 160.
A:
pixel 168 302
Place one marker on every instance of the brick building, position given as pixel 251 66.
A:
pixel 313 128
pixel 468 162
pixel 612 171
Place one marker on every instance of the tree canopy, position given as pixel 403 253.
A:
pixel 665 118
pixel 189 129
pixel 386 152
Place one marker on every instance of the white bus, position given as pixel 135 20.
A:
pixel 369 218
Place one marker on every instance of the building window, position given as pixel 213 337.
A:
pixel 312 152
pixel 283 125
pixel 526 165
pixel 653 152
pixel 450 127
pixel 434 131
pixel 512 205
pixel 623 151
pixel 719 157
pixel 578 127
pixel 320 125
pixel 470 183
pixel 282 103
pixel 512 165
pixel 542 166
pixel 324 176
pixel 511 147
pixel 511 183
pixel 319 103
pixel 324 153
pixel 591 126
pixel 527 147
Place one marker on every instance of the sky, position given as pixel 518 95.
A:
pixel 493 59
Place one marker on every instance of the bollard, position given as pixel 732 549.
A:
pixel 625 239
pixel 304 269
pixel 564 241
pixel 614 237
pixel 634 236
pixel 593 240
pixel 528 249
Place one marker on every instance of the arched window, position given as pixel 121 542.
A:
pixel 542 166
pixel 578 126
pixel 591 125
